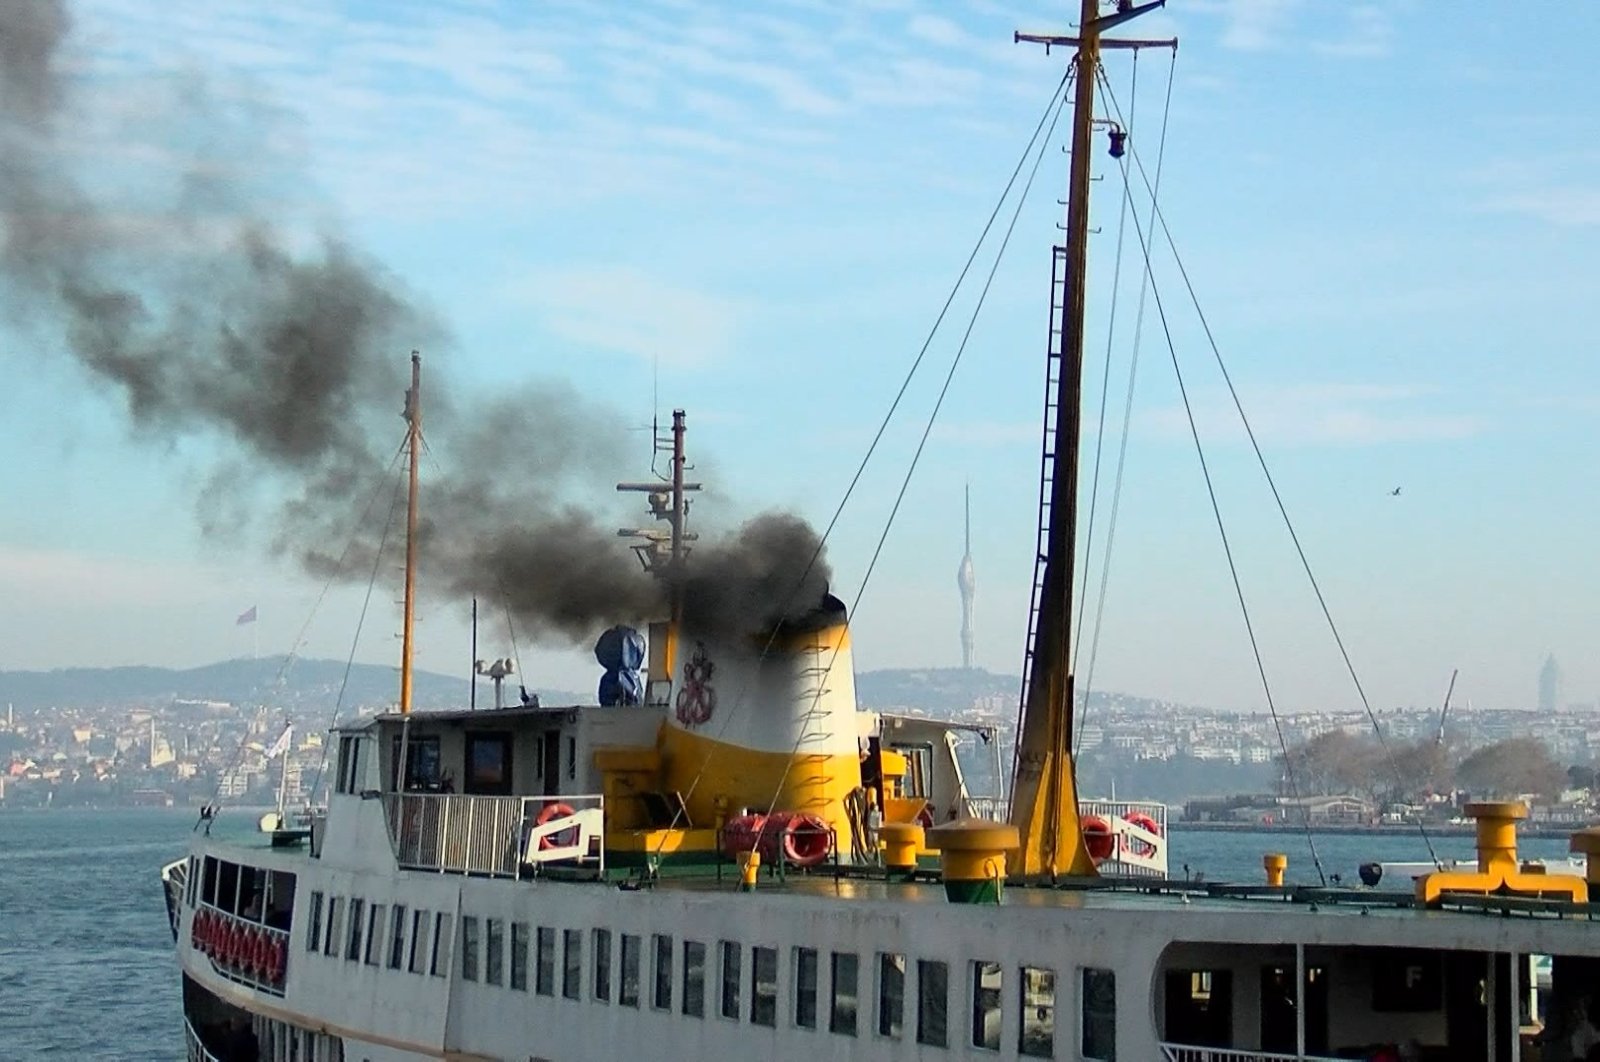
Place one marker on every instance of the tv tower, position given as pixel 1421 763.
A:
pixel 968 586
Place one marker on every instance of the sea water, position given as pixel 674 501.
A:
pixel 86 958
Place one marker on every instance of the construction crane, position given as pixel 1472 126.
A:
pixel 1438 738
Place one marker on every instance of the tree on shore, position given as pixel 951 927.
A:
pixel 1512 768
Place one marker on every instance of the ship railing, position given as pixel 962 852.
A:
pixel 496 836
pixel 194 1047
pixel 1190 1053
pixel 1138 850
pixel 997 808
pixel 246 951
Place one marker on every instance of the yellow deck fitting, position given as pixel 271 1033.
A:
pixel 1498 870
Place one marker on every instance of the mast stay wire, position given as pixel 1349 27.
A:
pixel 1277 497
pixel 1127 412
pixel 1222 530
pixel 211 809
pixel 361 622
pixel 1052 107
pixel 927 430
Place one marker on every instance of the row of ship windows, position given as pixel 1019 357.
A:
pixel 418 941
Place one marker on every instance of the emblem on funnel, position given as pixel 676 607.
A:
pixel 696 699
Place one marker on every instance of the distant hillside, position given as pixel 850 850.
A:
pixel 239 682
pixel 942 690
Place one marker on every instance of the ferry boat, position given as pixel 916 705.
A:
pixel 729 859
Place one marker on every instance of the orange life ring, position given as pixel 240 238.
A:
pixel 263 954
pixel 225 944
pixel 550 813
pixel 197 931
pixel 275 961
pixel 1138 845
pixel 1098 838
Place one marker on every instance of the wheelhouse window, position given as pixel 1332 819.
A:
pixel 1099 1015
pixel 730 979
pixel 694 979
pixel 469 947
pixel 494 951
pixel 488 764
pixel 986 991
pixel 846 993
pixel 571 964
pixel 933 1003
pixel 891 994
pixel 519 956
pixel 602 965
pixel 628 992
pixel 424 768
pixel 1037 1038
pixel 661 962
pixel 764 986
pixel 805 987
pixel 314 926
pixel 544 961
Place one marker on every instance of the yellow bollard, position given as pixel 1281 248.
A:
pixel 1275 863
pixel 749 865
pixel 901 842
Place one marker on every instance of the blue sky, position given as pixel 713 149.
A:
pixel 1389 213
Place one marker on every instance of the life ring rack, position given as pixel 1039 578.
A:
pixel 550 813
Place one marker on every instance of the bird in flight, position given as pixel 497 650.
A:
pixel 1395 493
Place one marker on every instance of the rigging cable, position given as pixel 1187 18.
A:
pixel 1127 412
pixel 361 621
pixel 1283 511
pixel 1052 107
pixel 927 429
pixel 1222 530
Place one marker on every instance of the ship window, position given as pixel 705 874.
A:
pixel 208 889
pixel 397 939
pixel 891 994
pixel 314 927
pixel 420 923
pixel 488 764
pixel 191 881
pixel 1038 1035
pixel 544 961
pixel 805 987
pixel 628 991
pixel 602 964
pixel 730 978
pixel 358 926
pixel 572 964
pixel 375 928
pixel 846 993
pixel 440 964
pixel 228 887
pixel 1099 1015
pixel 469 948
pixel 494 951
pixel 519 956
pixel 764 986
pixel 661 993
pixel 330 943
pixel 424 770
pixel 933 1002
pixel 986 989
pixel 694 979
pixel 572 757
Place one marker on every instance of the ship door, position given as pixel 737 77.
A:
pixel 550 766
pixel 1278 1032
pixel 1199 1008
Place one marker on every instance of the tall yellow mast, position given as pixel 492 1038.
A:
pixel 1044 800
pixel 413 449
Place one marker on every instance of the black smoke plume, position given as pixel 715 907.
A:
pixel 207 317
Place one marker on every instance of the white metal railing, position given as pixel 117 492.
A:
pixel 989 807
pixel 194 1049
pixel 495 835
pixel 1188 1053
pixel 1138 851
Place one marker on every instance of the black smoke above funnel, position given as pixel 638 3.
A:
pixel 209 317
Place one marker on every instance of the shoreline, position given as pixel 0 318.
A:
pixel 1442 829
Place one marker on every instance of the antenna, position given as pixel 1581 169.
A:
pixel 1438 738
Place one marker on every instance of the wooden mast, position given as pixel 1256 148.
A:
pixel 1044 801
pixel 413 448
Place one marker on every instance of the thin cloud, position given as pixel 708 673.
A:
pixel 1325 415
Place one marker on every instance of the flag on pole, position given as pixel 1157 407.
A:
pixel 279 747
pixel 247 616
